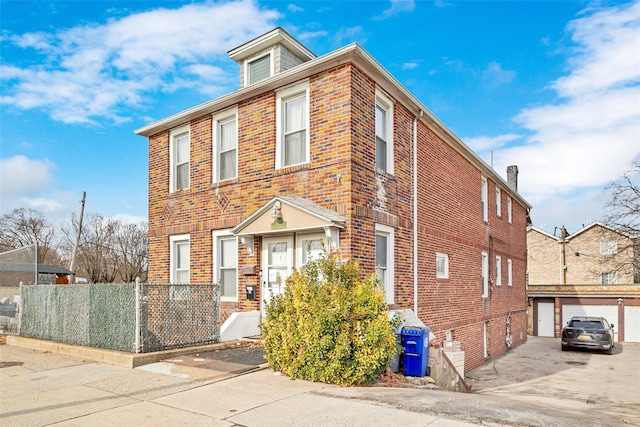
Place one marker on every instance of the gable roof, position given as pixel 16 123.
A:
pixel 301 213
pixel 532 228
pixel 276 36
pixel 601 225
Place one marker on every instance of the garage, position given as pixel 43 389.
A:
pixel 609 312
pixel 631 324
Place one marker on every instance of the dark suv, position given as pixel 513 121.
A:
pixel 588 332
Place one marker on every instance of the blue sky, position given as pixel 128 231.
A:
pixel 551 86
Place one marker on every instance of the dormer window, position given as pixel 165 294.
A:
pixel 258 69
pixel 268 55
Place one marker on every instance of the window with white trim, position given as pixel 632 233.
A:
pixel 258 68
pixel 179 267
pixel 608 247
pixel 509 272
pixel 225 264
pixel 484 198
pixel 384 259
pixel 292 133
pixel 498 202
pixel 498 270
pixel 225 145
pixel 485 275
pixel 609 278
pixel 310 247
pixel 179 158
pixel 442 265
pixel 384 133
pixel 509 212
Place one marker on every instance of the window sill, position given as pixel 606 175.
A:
pixel 290 169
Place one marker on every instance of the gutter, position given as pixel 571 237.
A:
pixel 415 212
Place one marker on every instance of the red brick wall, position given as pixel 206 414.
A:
pixel 342 133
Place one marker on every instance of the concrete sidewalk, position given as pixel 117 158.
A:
pixel 38 389
pixel 42 388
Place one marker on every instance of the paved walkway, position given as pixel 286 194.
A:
pixel 40 388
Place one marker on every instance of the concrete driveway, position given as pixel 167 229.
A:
pixel 540 372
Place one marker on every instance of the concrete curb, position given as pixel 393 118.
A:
pixel 111 357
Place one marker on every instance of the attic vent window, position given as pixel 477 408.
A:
pixel 259 69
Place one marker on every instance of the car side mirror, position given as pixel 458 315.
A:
pixel 612 325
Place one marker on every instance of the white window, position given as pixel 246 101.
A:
pixel 258 68
pixel 309 247
pixel 225 145
pixel 225 264
pixel 509 214
pixel 179 159
pixel 608 247
pixel 498 270
pixel 442 266
pixel 498 202
pixel 609 278
pixel 485 275
pixel 384 133
pixel 509 272
pixel 384 259
pixel 179 267
pixel 292 116
pixel 484 199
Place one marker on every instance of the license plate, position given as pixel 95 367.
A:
pixel 584 337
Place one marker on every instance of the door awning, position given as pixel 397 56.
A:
pixel 288 213
pixel 291 214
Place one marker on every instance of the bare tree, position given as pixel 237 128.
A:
pixel 96 257
pixel 131 244
pixel 109 249
pixel 622 213
pixel 23 227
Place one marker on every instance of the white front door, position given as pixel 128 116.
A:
pixel 277 266
pixel 546 326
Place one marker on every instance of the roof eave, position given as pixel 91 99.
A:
pixel 350 53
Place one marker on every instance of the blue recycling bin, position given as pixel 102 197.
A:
pixel 415 340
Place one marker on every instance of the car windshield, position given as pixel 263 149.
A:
pixel 587 324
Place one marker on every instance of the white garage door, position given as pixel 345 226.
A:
pixel 632 324
pixel 609 312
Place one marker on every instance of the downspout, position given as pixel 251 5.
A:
pixel 415 212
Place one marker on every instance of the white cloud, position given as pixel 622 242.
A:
pixel 21 175
pixel 309 35
pixel 95 71
pixel 484 143
pixel 494 75
pixel 348 35
pixel 294 8
pixel 398 6
pixel 589 135
pixel 410 65
pixel 31 183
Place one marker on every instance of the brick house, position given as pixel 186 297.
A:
pixel 333 152
pixel 590 272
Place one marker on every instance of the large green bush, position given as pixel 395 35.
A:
pixel 330 325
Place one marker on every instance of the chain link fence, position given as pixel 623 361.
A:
pixel 116 317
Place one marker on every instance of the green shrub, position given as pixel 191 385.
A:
pixel 330 325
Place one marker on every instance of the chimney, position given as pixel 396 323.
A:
pixel 512 177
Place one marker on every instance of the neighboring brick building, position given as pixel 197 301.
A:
pixel 590 272
pixel 334 152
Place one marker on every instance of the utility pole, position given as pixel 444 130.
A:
pixel 564 256
pixel 75 247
